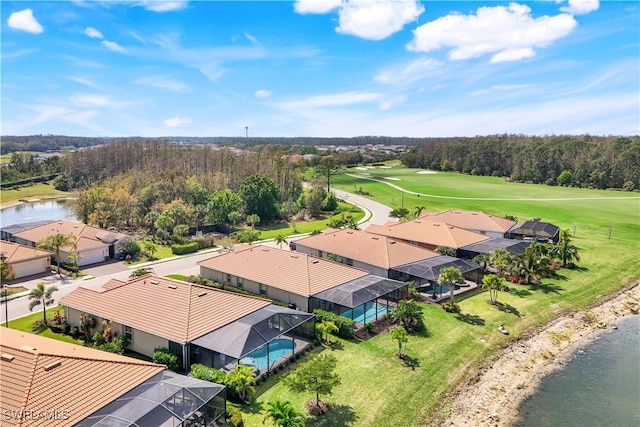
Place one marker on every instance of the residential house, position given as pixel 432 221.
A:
pixel 93 244
pixel 158 312
pixel 304 281
pixel 49 382
pixel 479 222
pixel 25 261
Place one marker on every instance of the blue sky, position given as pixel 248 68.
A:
pixel 320 68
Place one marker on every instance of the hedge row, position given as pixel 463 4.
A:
pixel 33 180
pixel 345 326
pixel 186 248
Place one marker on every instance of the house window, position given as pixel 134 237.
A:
pixel 228 278
pixel 128 333
pixel 240 282
pixel 263 289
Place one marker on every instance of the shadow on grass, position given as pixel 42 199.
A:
pixel 472 319
pixel 410 362
pixel 547 288
pixel 335 345
pixel 253 407
pixel 339 415
pixel 506 308
pixel 519 292
pixel 424 332
pixel 559 276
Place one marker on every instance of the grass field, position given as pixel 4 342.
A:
pixel 26 324
pixel 380 390
pixel 37 191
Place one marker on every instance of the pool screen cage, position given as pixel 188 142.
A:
pixel 255 334
pixel 166 399
pixel 362 300
pixel 428 270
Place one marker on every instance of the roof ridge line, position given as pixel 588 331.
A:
pixel 124 362
pixel 188 313
pixel 29 384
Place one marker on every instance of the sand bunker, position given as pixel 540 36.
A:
pixel 427 172
pixel 361 168
pixel 392 178
pixel 384 167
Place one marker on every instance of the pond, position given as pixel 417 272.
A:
pixel 36 211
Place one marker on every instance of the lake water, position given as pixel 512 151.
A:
pixel 599 387
pixel 38 211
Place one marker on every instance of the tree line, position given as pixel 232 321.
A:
pixel 582 161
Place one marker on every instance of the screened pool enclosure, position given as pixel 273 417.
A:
pixel 362 300
pixel 165 400
pixel 263 339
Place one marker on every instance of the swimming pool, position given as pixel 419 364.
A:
pixel 366 313
pixel 268 354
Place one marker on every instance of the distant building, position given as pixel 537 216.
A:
pixel 25 261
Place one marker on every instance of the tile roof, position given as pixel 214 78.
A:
pixel 372 249
pixel 176 310
pixel 42 374
pixel 471 220
pixel 429 232
pixel 294 272
pixel 14 252
pixel 87 237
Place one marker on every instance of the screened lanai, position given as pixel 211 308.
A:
pixel 534 229
pixel 166 399
pixel 263 339
pixel 362 300
pixel 515 247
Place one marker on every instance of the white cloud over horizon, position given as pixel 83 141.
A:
pixel 177 122
pixel 509 33
pixel 25 21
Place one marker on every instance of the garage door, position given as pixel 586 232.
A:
pixel 28 268
pixel 91 257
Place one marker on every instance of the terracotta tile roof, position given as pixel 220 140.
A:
pixel 380 251
pixel 429 232
pixel 87 237
pixel 42 374
pixel 168 308
pixel 471 220
pixel 14 252
pixel 294 272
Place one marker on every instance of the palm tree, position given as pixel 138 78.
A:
pixel 149 248
pixel 446 250
pixel 493 283
pixel 327 328
pixel 450 276
pixel 283 414
pixel 418 210
pixel 55 243
pixel 74 257
pixel 280 239
pixel 408 314
pixel 242 381
pixel 41 295
pixel 6 271
pixel 400 334
pixel 482 259
pixel 399 213
pixel 566 252
pixel 334 257
pixel 253 219
pixel 500 259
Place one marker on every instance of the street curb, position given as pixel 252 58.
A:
pixel 14 296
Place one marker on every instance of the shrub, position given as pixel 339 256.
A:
pixel 186 248
pixel 450 308
pixel 129 246
pixel 235 418
pixel 97 338
pixel 204 242
pixel 75 332
pixel 330 203
pixel 206 373
pixel 345 326
pixel 116 345
pixel 164 356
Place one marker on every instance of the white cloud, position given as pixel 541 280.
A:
pixel 315 6
pixel 251 38
pixel 510 33
pixel 93 33
pixel 90 101
pixel 113 46
pixel 17 54
pixel 25 21
pixel 413 71
pixel 387 103
pixel 581 7
pixel 263 93
pixel 332 100
pixel 162 6
pixel 177 122
pixel 377 20
pixel 85 82
pixel 163 82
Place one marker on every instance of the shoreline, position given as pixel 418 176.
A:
pixel 34 199
pixel 494 396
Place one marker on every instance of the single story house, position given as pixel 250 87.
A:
pixel 24 260
pixel 49 382
pixel 428 234
pixel 370 252
pixel 535 230
pixel 479 222
pixel 305 282
pixel 158 312
pixel 94 244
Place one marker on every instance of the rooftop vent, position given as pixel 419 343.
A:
pixel 54 364
pixel 349 232
pixel 172 287
pixel 393 242
pixel 201 294
pixel 7 357
pixel 294 256
pixel 375 238
pixel 474 213
pixel 265 249
pixel 436 224
pixel 27 348
pixel 315 261
pixel 153 282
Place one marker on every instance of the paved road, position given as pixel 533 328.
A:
pixel 377 213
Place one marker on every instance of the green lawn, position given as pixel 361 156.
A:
pixel 31 192
pixel 26 324
pixel 380 390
